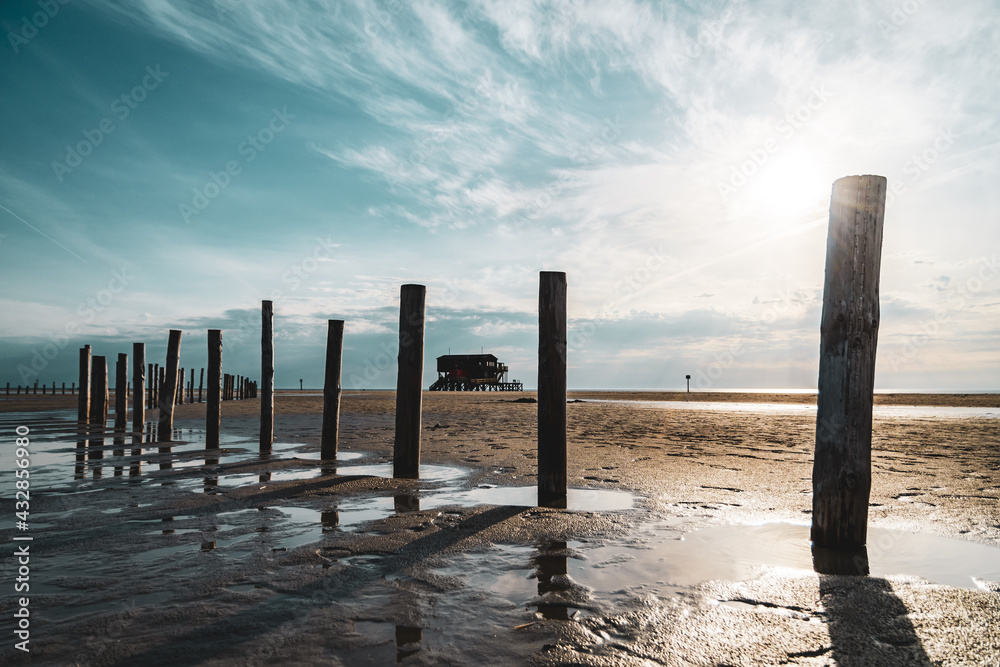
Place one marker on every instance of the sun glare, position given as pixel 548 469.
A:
pixel 791 184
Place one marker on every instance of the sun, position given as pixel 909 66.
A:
pixel 791 184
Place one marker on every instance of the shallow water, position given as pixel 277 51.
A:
pixel 661 559
pixel 888 411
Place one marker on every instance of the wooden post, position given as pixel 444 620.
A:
pixel 331 389
pixel 63 388
pixel 83 401
pixel 152 381
pixel 848 337
pixel 409 382
pixel 169 392
pixel 138 387
pixel 121 393
pixel 180 386
pixel 214 411
pixel 201 385
pixel 157 384
pixel 267 375
pixel 552 389
pixel 99 392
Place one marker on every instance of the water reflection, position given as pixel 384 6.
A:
pixel 840 561
pixel 551 571
pixel 329 519
pixel 408 639
pixel 407 502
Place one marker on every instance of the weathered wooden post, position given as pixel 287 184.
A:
pixel 165 429
pixel 201 385
pixel 150 404
pixel 848 337
pixel 267 375
pixel 83 401
pixel 121 394
pixel 157 384
pixel 180 387
pixel 214 412
pixel 98 404
pixel 409 382
pixel 331 388
pixel 552 389
pixel 138 388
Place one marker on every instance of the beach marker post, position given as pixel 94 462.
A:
pixel 168 391
pixel 332 389
pixel 848 338
pixel 213 414
pixel 409 382
pixel 83 401
pixel 201 385
pixel 552 483
pixel 267 375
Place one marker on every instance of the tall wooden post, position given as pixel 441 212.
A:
pixel 83 402
pixel 98 397
pixel 552 389
pixel 267 375
pixel 138 387
pixel 157 384
pixel 214 412
pixel 201 385
pixel 331 388
pixel 848 337
pixel 166 426
pixel 180 387
pixel 121 394
pixel 150 403
pixel 409 382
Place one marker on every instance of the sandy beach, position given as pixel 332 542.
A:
pixel 695 528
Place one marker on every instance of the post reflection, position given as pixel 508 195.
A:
pixel 135 467
pixel 408 639
pixel 329 519
pixel 551 569
pixel 407 502
pixel 851 561
pixel 211 477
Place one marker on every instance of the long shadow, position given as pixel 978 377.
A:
pixel 868 623
pixel 229 632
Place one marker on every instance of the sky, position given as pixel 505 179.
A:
pixel 168 165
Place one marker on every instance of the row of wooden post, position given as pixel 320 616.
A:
pixel 34 389
pixel 94 390
pixel 848 338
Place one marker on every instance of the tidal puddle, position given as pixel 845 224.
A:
pixel 579 500
pixel 560 579
pixel 888 411
pixel 428 472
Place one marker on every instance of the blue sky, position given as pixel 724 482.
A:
pixel 170 164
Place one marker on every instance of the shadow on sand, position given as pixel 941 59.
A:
pixel 868 623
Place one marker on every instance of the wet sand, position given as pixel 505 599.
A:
pixel 489 584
